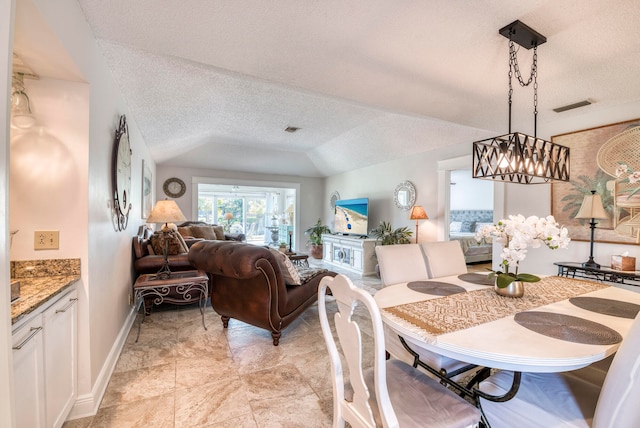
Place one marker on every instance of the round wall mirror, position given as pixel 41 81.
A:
pixel 405 195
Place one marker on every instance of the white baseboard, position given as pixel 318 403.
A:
pixel 88 404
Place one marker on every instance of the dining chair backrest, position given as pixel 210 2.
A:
pixel 390 394
pixel 444 258
pixel 618 404
pixel 357 411
pixel 401 263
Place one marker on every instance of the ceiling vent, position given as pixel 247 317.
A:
pixel 291 129
pixel 572 106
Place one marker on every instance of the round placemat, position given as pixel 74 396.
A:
pixel 435 288
pixel 476 278
pixel 611 307
pixel 568 327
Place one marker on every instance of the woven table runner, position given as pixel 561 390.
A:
pixel 430 318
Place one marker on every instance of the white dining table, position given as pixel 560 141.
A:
pixel 503 343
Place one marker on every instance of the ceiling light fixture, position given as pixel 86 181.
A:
pixel 518 157
pixel 21 115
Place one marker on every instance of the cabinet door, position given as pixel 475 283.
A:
pixel 28 375
pixel 60 358
pixel 357 259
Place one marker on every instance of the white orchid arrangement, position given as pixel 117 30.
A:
pixel 517 234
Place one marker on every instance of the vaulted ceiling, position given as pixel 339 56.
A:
pixel 214 84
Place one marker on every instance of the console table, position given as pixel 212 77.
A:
pixel 602 274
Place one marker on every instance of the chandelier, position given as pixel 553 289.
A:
pixel 518 157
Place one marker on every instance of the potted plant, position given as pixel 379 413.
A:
pixel 387 235
pixel 283 247
pixel 315 238
pixel 517 234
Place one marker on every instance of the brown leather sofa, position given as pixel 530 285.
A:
pixel 247 284
pixel 146 262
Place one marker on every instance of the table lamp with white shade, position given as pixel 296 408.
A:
pixel 165 211
pixel 592 209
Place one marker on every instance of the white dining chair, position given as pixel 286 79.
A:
pixel 403 264
pixel 444 258
pixel 566 400
pixel 392 393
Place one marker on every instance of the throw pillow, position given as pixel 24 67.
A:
pixel 289 271
pixel 219 231
pixel 176 243
pixel 185 231
pixel 481 225
pixel 455 226
pixel 205 232
pixel 308 273
pixel 467 226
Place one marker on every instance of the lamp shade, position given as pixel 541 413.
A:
pixel 228 216
pixel 418 213
pixel 166 211
pixel 592 208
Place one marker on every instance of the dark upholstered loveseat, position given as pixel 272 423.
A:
pixel 148 261
pixel 247 283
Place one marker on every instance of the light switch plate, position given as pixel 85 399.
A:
pixel 46 240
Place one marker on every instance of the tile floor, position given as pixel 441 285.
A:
pixel 179 375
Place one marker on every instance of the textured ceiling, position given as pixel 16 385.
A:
pixel 213 84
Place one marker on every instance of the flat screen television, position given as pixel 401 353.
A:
pixel 352 216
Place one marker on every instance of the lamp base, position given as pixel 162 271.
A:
pixel 165 272
pixel 591 264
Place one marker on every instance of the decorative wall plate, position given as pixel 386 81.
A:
pixel 334 197
pixel 174 187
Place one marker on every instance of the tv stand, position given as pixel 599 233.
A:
pixel 354 253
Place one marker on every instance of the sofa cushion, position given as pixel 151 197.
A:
pixel 455 226
pixel 289 271
pixel 176 243
pixel 308 273
pixel 210 233
pixel 185 231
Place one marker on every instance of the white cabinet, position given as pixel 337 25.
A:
pixel 354 254
pixel 28 374
pixel 45 363
pixel 60 358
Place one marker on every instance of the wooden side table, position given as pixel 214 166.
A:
pixel 180 288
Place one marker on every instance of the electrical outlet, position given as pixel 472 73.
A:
pixel 46 240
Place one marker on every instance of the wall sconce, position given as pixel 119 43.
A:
pixel 21 115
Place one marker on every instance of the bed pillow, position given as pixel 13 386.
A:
pixel 455 226
pixel 467 226
pixel 481 225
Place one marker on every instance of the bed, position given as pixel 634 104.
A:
pixel 463 226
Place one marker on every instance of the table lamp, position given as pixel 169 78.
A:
pixel 592 209
pixel 228 216
pixel 418 213
pixel 165 211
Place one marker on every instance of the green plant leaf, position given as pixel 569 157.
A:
pixel 527 277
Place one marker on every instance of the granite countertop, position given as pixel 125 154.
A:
pixel 36 291
pixel 41 280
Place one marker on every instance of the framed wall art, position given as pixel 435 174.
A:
pixel 146 190
pixel 603 159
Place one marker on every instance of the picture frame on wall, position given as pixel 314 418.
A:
pixel 603 159
pixel 146 190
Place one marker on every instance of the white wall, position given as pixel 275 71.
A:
pixel 7 417
pixel 89 233
pixel 311 202
pixel 468 193
pixel 48 170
